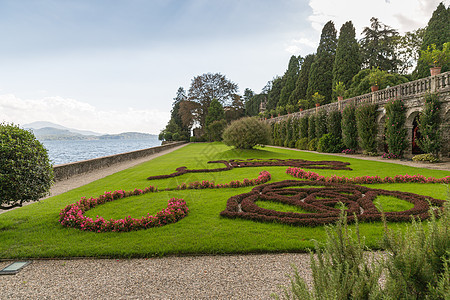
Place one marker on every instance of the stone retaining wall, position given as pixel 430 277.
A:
pixel 66 171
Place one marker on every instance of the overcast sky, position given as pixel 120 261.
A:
pixel 115 65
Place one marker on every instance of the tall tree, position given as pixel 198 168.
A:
pixel 275 92
pixel 347 62
pixel 437 32
pixel 215 112
pixel 321 73
pixel 378 46
pixel 175 124
pixel 301 84
pixel 408 49
pixel 290 77
pixel 206 87
pixel 248 94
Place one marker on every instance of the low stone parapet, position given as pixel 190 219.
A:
pixel 65 171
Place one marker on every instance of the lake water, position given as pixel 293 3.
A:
pixel 62 152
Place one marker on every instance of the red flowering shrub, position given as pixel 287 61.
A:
pixel 321 202
pixel 72 215
pixel 302 174
pixel 237 163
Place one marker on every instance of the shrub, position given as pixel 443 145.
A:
pixel 311 127
pixel 302 144
pixel 395 127
pixel 349 130
pixel 328 143
pixel 367 127
pixel 303 127
pixel 429 121
pixel 214 130
pixel 426 157
pixel 246 133
pixel 321 123
pixel 334 124
pixel 176 136
pixel 26 173
pixel 312 144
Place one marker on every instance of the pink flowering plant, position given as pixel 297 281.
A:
pixel 302 174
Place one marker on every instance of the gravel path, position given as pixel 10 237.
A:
pixel 191 277
pixel 197 277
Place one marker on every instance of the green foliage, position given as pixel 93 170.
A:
pixel 302 144
pixel 252 105
pixel 281 110
pixel 429 122
pixel 290 78
pixel 395 127
pixel 418 259
pixel 435 57
pixel 347 62
pixel 215 130
pixel 215 112
pixel 247 133
pixel 275 92
pixel 339 89
pixel 437 32
pixel 311 127
pixel 303 127
pixel 321 123
pixel 426 157
pixel 376 76
pixel 349 129
pixel 321 72
pixel 378 46
pixel 329 143
pixel 318 98
pixel 26 173
pixel 301 84
pixel 367 127
pixel 334 124
pixel 312 144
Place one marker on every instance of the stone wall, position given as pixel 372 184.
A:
pixel 66 171
pixel 412 93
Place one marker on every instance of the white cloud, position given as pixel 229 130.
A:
pixel 302 45
pixel 80 115
pixel 403 15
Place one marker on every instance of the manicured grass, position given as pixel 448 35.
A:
pixel 34 231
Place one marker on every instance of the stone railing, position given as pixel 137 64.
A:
pixel 405 91
pixel 66 171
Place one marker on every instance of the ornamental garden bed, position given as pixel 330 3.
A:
pixel 35 230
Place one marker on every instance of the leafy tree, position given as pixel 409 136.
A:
pixel 301 85
pixel 437 32
pixel 347 62
pixel 215 129
pixel 26 173
pixel 248 94
pixel 361 83
pixel 215 112
pixel 321 72
pixel 175 124
pixel 205 88
pixel 290 77
pixel 378 46
pixel 246 133
pixel 408 49
pixel 236 110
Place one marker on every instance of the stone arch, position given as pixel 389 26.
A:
pixel 412 116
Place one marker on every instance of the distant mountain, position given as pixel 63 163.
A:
pixel 43 124
pixel 47 131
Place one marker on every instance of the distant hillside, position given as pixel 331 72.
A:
pixel 58 132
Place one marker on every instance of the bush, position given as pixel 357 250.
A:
pixel 246 133
pixel 395 127
pixel 328 143
pixel 367 127
pixel 176 136
pixel 334 124
pixel 215 130
pixel 26 173
pixel 311 127
pixel 312 144
pixel 302 144
pixel 303 127
pixel 321 123
pixel 426 157
pixel 349 130
pixel 416 264
pixel 429 122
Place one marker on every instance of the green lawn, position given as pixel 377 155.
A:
pixel 33 231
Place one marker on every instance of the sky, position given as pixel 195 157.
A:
pixel 114 66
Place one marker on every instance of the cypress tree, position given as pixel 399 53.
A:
pixel 275 92
pixel 290 77
pixel 215 112
pixel 349 131
pixel 395 127
pixel 311 127
pixel 303 127
pixel 366 123
pixel 321 123
pixel 321 73
pixel 301 84
pixel 437 32
pixel 347 62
